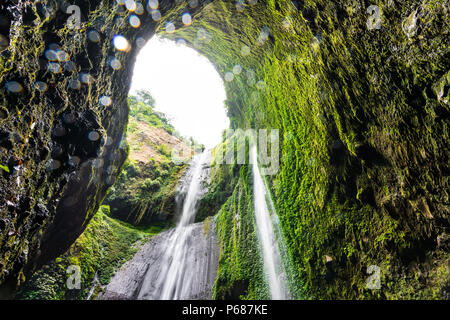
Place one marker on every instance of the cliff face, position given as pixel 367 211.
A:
pixel 146 190
pixel 362 113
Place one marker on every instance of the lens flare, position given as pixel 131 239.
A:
pixel 105 101
pixel 187 19
pixel 229 76
pixel 170 27
pixel 156 15
pixel 41 86
pixel 93 36
pixel 121 43
pixel 134 20
pixel 14 87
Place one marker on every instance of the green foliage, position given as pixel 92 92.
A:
pixel 359 111
pixel 142 109
pixel 240 274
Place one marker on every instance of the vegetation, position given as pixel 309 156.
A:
pixel 142 109
pixel 145 191
pixel 104 246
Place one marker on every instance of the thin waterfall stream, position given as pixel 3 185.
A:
pixel 273 266
pixel 175 271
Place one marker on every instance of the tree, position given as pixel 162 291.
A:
pixel 146 97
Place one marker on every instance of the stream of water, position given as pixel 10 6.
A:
pixel 275 273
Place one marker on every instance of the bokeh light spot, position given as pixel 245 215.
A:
pixel 121 43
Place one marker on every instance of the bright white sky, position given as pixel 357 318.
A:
pixel 186 87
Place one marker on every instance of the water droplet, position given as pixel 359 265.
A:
pixel 59 131
pixel 153 4
pixel 237 69
pixel 181 42
pixel 251 74
pixel 51 55
pixel 240 7
pixel 74 161
pixel 264 35
pixel 139 8
pixel 121 43
pixel 86 78
pixel 69 118
pixel 202 34
pixel 170 27
pixel 97 163
pixel 40 86
pixel 62 56
pixel 229 76
pixel 193 3
pixel 93 36
pixel 115 64
pixel 261 85
pixel 245 50
pixel 109 141
pixel 156 15
pixel 140 42
pixel 187 19
pixel 53 164
pixel 130 5
pixel 54 46
pixel 135 22
pixel 93 136
pixel 74 84
pixel 54 67
pixel 69 66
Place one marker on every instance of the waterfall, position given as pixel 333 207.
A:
pixel 273 266
pixel 177 268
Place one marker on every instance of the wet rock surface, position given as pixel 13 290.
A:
pixel 140 274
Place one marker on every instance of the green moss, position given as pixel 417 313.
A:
pixel 359 129
pixel 145 192
pixel 240 273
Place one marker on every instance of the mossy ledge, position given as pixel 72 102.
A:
pixel 363 116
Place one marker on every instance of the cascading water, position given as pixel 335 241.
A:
pixel 175 272
pixel 273 266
